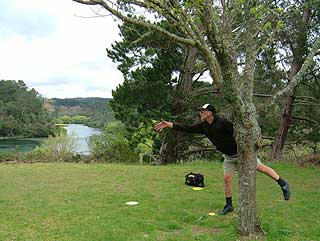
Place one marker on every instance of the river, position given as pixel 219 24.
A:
pixel 81 133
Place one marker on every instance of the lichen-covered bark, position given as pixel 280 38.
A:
pixel 247 136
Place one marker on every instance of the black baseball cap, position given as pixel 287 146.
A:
pixel 207 107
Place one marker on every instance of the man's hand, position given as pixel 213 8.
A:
pixel 163 124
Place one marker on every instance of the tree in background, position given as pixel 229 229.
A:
pixel 22 112
pixel 278 61
pixel 224 32
pixel 305 123
pixel 158 83
pixel 301 28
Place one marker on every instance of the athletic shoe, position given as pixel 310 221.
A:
pixel 226 209
pixel 286 191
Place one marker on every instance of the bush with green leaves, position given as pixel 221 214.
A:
pixel 113 146
pixel 55 149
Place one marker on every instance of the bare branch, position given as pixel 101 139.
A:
pixel 307 97
pixel 288 90
pixel 306 119
pixel 262 95
pixel 200 74
pixel 138 22
pixel 306 103
pixel 87 2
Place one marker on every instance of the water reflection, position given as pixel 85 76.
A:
pixel 81 133
pixel 20 144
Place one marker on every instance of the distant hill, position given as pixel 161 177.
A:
pixel 84 101
pixel 96 108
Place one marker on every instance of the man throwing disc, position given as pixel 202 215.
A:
pixel 220 132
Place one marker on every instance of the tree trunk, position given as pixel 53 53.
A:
pixel 184 86
pixel 298 59
pixel 169 153
pixel 283 127
pixel 238 90
pixel 247 137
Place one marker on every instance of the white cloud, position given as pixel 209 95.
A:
pixel 54 51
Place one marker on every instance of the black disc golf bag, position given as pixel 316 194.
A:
pixel 194 179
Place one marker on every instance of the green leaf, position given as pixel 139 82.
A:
pixel 280 24
pixel 267 26
pixel 253 10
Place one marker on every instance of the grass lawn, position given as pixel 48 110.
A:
pixel 87 202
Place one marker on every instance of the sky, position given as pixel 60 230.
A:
pixel 58 48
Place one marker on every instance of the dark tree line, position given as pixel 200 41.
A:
pixel 97 110
pixel 21 111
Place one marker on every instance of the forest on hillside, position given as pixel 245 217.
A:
pixel 91 111
pixel 25 113
pixel 22 112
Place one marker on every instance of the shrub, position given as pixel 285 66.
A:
pixel 113 146
pixel 13 157
pixel 58 148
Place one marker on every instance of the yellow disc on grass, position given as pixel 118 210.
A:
pixel 212 214
pixel 197 188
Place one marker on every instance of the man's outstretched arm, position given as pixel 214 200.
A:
pixel 196 128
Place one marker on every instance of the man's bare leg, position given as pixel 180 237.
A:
pixel 282 183
pixel 228 193
pixel 268 171
pixel 228 184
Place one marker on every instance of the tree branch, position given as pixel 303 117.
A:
pixel 138 22
pixel 288 90
pixel 87 2
pixel 306 103
pixel 307 97
pixel 306 119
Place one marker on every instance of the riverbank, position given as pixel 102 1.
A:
pixel 11 137
pixel 80 133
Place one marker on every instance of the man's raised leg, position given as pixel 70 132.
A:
pixel 282 183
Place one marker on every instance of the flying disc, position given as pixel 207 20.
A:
pixel 131 203
pixel 212 214
pixel 197 188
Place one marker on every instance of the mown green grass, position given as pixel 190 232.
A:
pixel 87 202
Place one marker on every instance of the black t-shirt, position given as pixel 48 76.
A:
pixel 220 133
